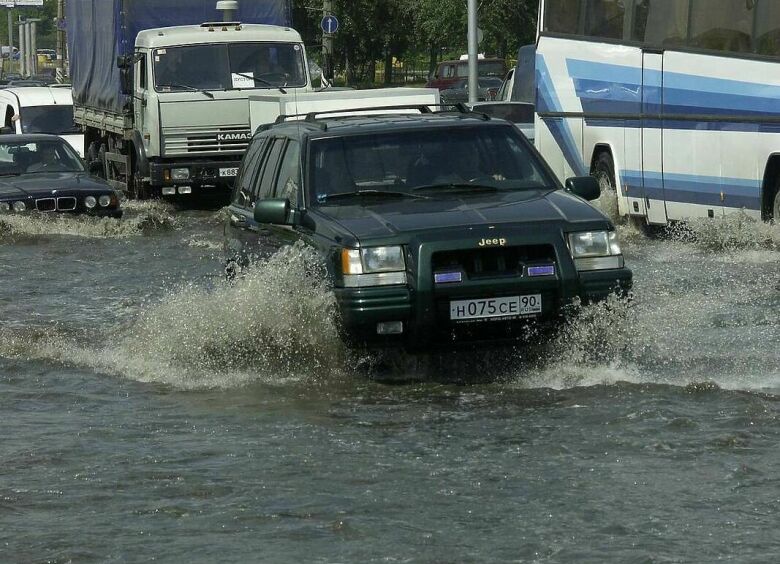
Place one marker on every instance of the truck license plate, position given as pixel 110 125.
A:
pixel 495 307
pixel 228 171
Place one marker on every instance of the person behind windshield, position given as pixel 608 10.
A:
pixel 48 161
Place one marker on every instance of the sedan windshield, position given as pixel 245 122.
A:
pixel 57 120
pixel 38 157
pixel 427 162
pixel 228 66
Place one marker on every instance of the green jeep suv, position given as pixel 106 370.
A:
pixel 436 227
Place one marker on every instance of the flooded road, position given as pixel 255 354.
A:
pixel 152 411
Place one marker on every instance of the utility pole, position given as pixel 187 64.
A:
pixel 473 44
pixel 327 45
pixel 22 50
pixel 33 46
pixel 60 40
pixel 10 37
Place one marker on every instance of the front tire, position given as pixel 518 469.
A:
pixel 776 204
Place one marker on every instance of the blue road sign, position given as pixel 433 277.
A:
pixel 329 24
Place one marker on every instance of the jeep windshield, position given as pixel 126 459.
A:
pixel 431 162
pixel 223 66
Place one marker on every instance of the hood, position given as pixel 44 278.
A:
pixel 44 183
pixel 529 208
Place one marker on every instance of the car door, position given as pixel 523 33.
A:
pixel 287 185
pixel 241 230
pixel 268 240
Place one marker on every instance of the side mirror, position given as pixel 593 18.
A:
pixel 124 61
pixel 273 211
pixel 586 187
pixel 126 81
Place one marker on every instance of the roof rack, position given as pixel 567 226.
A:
pixel 311 117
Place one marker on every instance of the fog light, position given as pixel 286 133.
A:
pixel 168 190
pixel 389 327
pixel 19 206
pixel 104 200
pixel 185 189
pixel 90 202
pixel 180 173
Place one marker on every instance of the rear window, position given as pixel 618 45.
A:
pixel 56 120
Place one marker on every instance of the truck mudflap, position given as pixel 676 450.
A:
pixel 187 176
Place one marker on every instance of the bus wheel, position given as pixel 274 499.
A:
pixel 776 205
pixel 603 170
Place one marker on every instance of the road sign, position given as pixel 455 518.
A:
pixel 329 24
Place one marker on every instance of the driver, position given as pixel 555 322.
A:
pixel 49 161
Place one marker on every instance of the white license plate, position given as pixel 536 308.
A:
pixel 488 308
pixel 228 171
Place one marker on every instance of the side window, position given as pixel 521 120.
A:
pixel 264 184
pixel 140 69
pixel 661 22
pixel 768 28
pixel 9 113
pixel 563 16
pixel 727 28
pixel 246 171
pixel 289 174
pixel 605 18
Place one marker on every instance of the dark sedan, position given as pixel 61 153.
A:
pixel 43 173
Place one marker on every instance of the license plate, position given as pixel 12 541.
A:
pixel 512 306
pixel 228 171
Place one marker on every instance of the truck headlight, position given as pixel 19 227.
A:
pixel 595 250
pixel 373 266
pixel 180 174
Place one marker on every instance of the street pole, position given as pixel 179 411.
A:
pixel 22 50
pixel 34 47
pixel 60 41
pixel 473 41
pixel 10 38
pixel 327 46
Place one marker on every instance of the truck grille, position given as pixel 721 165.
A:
pixel 205 141
pixel 492 262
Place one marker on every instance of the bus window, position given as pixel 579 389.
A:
pixel 562 16
pixel 605 18
pixel 768 28
pixel 726 29
pixel 661 22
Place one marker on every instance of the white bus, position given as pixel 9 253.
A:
pixel 674 103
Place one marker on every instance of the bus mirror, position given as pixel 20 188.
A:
pixel 586 187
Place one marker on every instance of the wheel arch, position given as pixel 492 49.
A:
pixel 770 185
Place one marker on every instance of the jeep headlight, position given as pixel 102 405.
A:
pixel 595 250
pixel 373 266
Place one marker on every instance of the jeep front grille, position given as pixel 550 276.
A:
pixel 492 262
pixel 192 141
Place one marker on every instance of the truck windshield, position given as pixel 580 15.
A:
pixel 233 66
pixel 425 162
pixel 57 120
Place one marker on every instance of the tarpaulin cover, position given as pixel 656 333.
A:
pixel 100 30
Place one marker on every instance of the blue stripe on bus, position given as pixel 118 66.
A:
pixel 695 189
pixel 547 101
pixel 692 125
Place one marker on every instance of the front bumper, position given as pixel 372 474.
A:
pixel 424 309
pixel 203 173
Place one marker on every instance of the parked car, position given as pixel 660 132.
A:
pixel 440 227
pixel 487 88
pixel 448 72
pixel 43 173
pixel 41 109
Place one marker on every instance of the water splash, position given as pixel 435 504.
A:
pixel 140 218
pixel 737 231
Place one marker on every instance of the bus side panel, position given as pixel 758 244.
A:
pixel 714 162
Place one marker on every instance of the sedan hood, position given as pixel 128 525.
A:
pixel 44 183
pixel 372 219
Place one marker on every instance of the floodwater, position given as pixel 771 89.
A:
pixel 152 411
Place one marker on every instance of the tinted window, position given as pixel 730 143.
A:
pixel 494 156
pixel 57 120
pixel 768 28
pixel 605 18
pixel 562 16
pixel 289 174
pixel 247 171
pixel 727 28
pixel 264 187
pixel 38 157
pixel 661 22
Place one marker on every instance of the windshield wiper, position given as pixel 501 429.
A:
pixel 261 81
pixel 186 87
pixel 463 186
pixel 382 193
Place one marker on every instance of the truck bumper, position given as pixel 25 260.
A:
pixel 203 174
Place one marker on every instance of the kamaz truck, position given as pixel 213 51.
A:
pixel 161 87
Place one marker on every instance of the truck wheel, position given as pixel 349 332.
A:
pixel 138 188
pixel 102 158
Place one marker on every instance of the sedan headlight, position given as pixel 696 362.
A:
pixel 595 250
pixel 104 200
pixel 19 206
pixel 90 202
pixel 5 206
pixel 373 266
